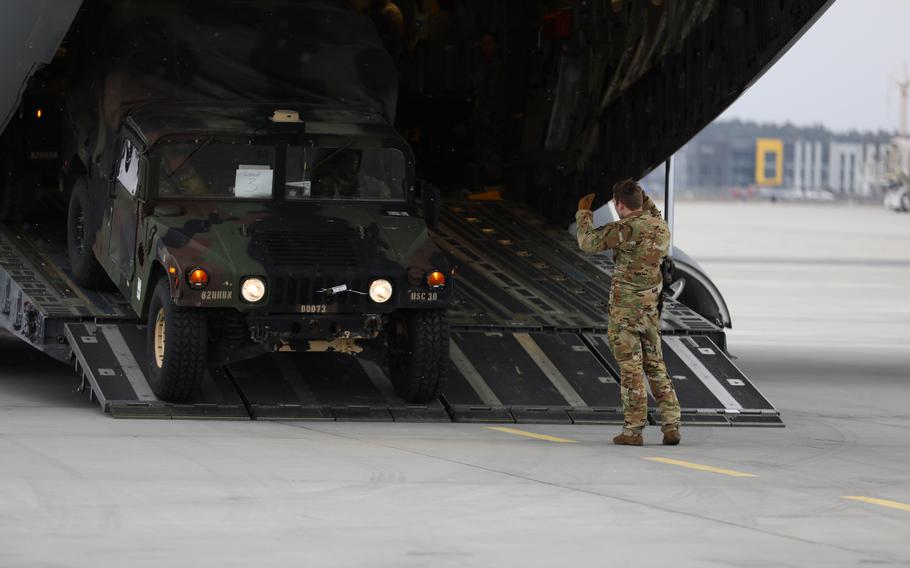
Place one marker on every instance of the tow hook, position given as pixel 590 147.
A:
pixel 372 324
pixel 259 334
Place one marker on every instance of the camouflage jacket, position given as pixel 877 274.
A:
pixel 638 242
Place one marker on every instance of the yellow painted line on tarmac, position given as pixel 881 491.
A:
pixel 702 467
pixel 534 435
pixel 880 502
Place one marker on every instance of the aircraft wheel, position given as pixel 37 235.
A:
pixel 176 340
pixel 418 353
pixel 81 230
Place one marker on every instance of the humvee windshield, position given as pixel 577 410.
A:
pixel 216 170
pixel 346 173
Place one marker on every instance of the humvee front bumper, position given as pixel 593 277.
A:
pixel 293 327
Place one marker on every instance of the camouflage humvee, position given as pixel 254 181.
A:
pixel 239 231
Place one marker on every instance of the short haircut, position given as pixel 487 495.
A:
pixel 629 194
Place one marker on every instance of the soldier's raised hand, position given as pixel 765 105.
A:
pixel 586 202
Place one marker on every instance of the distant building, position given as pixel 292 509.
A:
pixel 899 158
pixel 734 155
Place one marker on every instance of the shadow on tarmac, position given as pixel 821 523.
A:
pixel 30 378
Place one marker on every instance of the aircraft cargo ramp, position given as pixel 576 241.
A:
pixel 528 341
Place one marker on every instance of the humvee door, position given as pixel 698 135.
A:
pixel 121 229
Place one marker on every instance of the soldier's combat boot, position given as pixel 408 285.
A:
pixel 672 437
pixel 629 439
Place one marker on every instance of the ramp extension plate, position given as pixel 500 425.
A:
pixel 493 377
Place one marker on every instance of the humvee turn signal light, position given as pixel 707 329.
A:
pixel 436 279
pixel 198 278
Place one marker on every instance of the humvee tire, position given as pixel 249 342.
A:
pixel 176 339
pixel 418 353
pixel 80 237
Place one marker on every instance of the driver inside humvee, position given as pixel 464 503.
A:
pixel 340 175
pixel 178 176
pixel 215 170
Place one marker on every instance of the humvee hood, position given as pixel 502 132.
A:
pixel 256 238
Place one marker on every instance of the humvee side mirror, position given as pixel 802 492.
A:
pixel 430 194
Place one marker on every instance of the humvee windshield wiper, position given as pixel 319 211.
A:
pixel 333 154
pixel 189 156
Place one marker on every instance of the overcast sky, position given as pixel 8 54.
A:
pixel 840 73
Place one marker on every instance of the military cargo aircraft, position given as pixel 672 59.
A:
pixel 238 159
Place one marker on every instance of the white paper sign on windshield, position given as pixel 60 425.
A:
pixel 253 182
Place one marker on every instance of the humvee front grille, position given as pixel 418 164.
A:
pixel 295 291
pixel 303 248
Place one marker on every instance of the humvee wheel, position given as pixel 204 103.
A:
pixel 418 353
pixel 80 237
pixel 176 341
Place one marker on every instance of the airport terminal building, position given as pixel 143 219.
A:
pixel 740 158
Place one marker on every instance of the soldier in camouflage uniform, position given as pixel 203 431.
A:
pixel 639 241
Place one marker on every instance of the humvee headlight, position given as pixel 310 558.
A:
pixel 380 291
pixel 253 289
pixel 197 278
pixel 436 279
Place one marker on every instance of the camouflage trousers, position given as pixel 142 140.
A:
pixel 634 336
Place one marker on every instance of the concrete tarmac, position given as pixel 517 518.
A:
pixel 821 314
